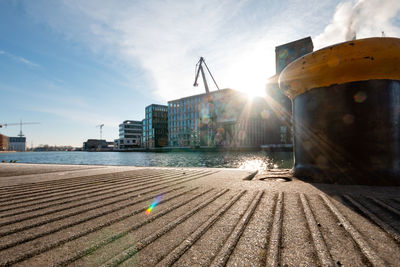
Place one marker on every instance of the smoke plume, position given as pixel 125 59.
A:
pixel 361 19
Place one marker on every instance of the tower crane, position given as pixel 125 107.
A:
pixel 4 125
pixel 101 130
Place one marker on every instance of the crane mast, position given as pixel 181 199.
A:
pixel 213 116
pixel 199 69
pixel 213 125
pixel 101 130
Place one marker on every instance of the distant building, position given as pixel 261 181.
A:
pixel 282 105
pixel 155 126
pixel 16 143
pixel 287 53
pixel 130 135
pixel 256 124
pixel 240 122
pixel 98 145
pixel 189 118
pixel 4 142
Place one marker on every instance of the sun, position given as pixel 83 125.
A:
pixel 250 73
pixel 253 88
pixel 256 92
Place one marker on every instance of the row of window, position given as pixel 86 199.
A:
pixel 183 102
pixel 131 126
pixel 156 108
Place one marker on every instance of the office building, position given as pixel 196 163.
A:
pixel 16 143
pixel 287 53
pixel 189 118
pixel 238 120
pixel 130 135
pixel 281 104
pixel 155 126
pixel 255 125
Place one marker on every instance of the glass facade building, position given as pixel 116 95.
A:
pixel 16 143
pixel 238 121
pixel 155 126
pixel 284 55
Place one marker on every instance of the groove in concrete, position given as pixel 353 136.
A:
pixel 71 192
pixel 60 209
pixel 60 242
pixel 371 255
pixel 66 180
pixel 319 243
pixel 186 244
pixel 273 257
pixel 386 206
pixel 128 253
pixel 74 213
pixel 78 188
pixel 386 227
pixel 115 237
pixel 105 179
pixel 91 201
pixel 68 225
pixel 112 190
pixel 225 252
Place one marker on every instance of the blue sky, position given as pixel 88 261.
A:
pixel 72 65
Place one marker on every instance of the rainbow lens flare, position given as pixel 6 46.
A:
pixel 155 202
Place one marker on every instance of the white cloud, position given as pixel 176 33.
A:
pixel 166 38
pixel 19 59
pixel 361 18
pixel 78 115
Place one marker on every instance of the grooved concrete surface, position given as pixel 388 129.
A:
pixel 54 215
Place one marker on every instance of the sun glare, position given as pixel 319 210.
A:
pixel 254 93
pixel 250 71
pixel 254 88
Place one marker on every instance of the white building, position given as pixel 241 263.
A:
pixel 130 135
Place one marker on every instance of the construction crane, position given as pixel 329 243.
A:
pixel 4 125
pixel 101 130
pixel 212 125
pixel 198 69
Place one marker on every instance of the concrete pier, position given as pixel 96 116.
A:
pixel 58 215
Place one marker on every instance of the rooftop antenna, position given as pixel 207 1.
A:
pixel 101 130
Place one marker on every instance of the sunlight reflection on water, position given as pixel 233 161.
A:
pixel 257 164
pixel 245 160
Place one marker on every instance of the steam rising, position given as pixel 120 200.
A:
pixel 361 19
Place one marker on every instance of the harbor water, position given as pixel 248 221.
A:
pixel 244 160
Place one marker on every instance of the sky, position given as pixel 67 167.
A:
pixel 72 65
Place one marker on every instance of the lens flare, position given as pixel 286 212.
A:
pixel 360 97
pixel 155 202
